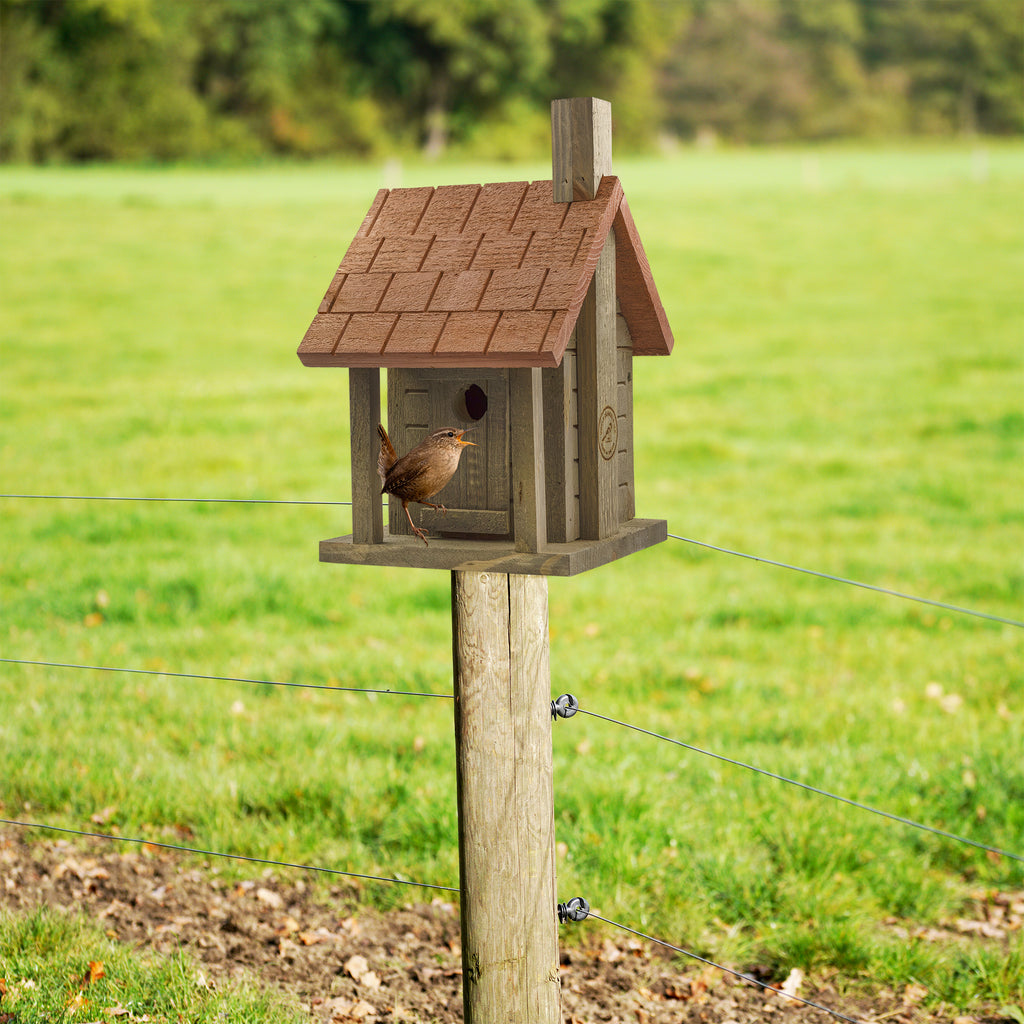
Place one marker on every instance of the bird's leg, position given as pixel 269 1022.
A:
pixel 436 508
pixel 415 529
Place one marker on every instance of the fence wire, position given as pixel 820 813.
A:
pixel 377 878
pixel 853 583
pixel 809 788
pixel 195 501
pixel 945 606
pixel 728 970
pixel 225 856
pixel 222 679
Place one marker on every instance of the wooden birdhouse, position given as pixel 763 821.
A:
pixel 515 309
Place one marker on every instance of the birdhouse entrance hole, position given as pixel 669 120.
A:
pixel 472 404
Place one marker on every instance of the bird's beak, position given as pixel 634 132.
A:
pixel 461 435
pixel 466 442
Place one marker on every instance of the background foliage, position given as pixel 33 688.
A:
pixel 165 80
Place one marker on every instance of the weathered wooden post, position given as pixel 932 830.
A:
pixel 506 810
pixel 515 308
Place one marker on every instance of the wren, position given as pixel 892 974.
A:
pixel 422 471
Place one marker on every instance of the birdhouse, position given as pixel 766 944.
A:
pixel 513 310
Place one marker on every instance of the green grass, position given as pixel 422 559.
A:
pixel 844 394
pixel 58 968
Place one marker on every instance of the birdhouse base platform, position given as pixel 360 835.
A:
pixel 496 556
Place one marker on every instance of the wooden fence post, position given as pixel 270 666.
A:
pixel 506 814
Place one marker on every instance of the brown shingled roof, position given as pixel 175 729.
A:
pixel 479 275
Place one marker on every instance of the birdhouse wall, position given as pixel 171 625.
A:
pixel 561 432
pixel 624 446
pixel 562 448
pixel 478 496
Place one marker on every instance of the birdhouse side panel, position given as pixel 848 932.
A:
pixel 624 446
pixel 561 448
pixel 477 497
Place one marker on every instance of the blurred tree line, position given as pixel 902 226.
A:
pixel 180 79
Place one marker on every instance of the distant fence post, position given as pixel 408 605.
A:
pixel 505 802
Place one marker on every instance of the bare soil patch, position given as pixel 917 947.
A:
pixel 346 962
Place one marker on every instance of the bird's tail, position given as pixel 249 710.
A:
pixel 388 456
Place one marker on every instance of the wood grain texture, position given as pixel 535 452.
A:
pixel 475 521
pixel 567 559
pixel 460 290
pixel 537 211
pixel 398 253
pixel 360 255
pixel 372 213
pixel 638 296
pixel 361 293
pixel 450 252
pixel 624 389
pixel 364 415
pixel 581 147
pixel 402 210
pixel 596 369
pixel 409 292
pixel 505 798
pixel 561 467
pixel 448 208
pixel 500 250
pixel 526 443
pixel 520 332
pixel 496 206
pixel 418 332
pixel 513 289
pixel 478 495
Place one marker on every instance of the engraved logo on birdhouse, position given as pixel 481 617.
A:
pixel 608 432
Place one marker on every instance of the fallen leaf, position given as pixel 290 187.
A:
pixel 95 972
pixel 77 1002
pixel 271 898
pixel 791 986
pixel 914 993
pixel 343 1010
pixel 356 966
pixel 983 928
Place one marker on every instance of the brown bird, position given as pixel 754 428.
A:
pixel 422 471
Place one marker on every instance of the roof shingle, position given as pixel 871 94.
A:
pixel 471 275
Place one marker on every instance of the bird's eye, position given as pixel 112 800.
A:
pixel 451 433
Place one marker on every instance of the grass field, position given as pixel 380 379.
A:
pixel 846 393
